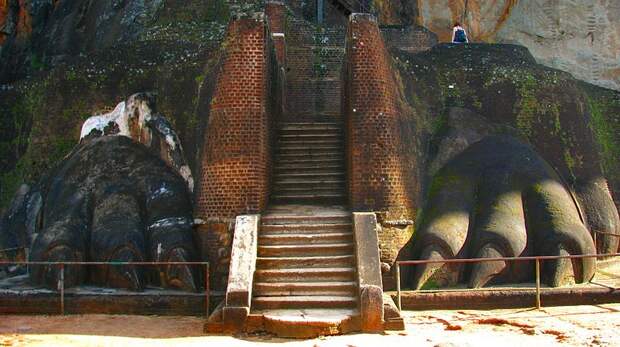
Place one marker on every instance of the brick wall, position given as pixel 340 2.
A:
pixel 236 154
pixel 380 165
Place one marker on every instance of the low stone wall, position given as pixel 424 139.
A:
pixel 368 271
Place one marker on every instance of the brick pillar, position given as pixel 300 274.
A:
pixel 379 169
pixel 236 154
pixel 276 17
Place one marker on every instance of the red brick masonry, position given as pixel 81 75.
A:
pixel 377 176
pixel 236 156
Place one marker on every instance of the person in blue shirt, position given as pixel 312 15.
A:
pixel 458 34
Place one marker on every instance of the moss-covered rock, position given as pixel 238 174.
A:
pixel 505 85
pixel 176 57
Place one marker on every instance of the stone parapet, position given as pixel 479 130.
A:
pixel 368 271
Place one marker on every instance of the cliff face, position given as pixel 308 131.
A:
pixel 35 33
pixel 581 37
pixel 84 56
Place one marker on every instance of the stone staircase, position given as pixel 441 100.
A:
pixel 305 272
pixel 309 164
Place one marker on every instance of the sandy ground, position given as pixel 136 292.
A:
pixel 565 326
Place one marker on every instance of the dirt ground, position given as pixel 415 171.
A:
pixel 565 326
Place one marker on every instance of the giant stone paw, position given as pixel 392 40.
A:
pixel 111 200
pixel 498 198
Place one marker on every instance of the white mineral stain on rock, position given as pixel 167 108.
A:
pixel 100 122
pixel 134 118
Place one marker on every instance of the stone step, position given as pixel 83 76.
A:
pixel 297 130
pixel 312 150
pixel 292 190
pixel 309 198
pixel 324 155
pixel 311 182
pixel 305 288
pixel 325 249
pixel 302 262
pixel 338 165
pixel 321 219
pixel 300 145
pixel 311 136
pixel 304 239
pixel 306 323
pixel 308 169
pixel 283 127
pixel 303 301
pixel 304 228
pixel 336 141
pixel 314 175
pixel 311 161
pixel 335 274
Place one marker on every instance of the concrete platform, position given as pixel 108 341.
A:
pixel 304 323
pixel 19 297
pixel 604 288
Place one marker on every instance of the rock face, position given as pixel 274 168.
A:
pixel 37 30
pixel 550 117
pixel 498 198
pixel 580 37
pixel 174 55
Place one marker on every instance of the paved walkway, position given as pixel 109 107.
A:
pixel 561 326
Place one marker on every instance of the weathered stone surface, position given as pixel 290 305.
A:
pixel 564 120
pixel 498 198
pixel 112 200
pixel 174 54
pixel 137 118
pixel 580 37
pixel 234 318
pixel 371 308
pixel 243 261
pixel 368 271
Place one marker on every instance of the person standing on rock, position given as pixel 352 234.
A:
pixel 458 34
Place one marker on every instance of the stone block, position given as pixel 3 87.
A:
pixel 371 308
pixel 368 271
pixel 234 319
pixel 243 261
pixel 367 248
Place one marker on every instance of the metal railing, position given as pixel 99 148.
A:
pixel 537 259
pixel 61 265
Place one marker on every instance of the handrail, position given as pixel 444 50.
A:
pixel 537 259
pixel 62 264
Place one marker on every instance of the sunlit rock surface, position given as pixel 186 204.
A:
pixel 578 36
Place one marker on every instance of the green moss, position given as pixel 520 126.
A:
pixel 456 89
pixel 37 63
pixel 607 137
